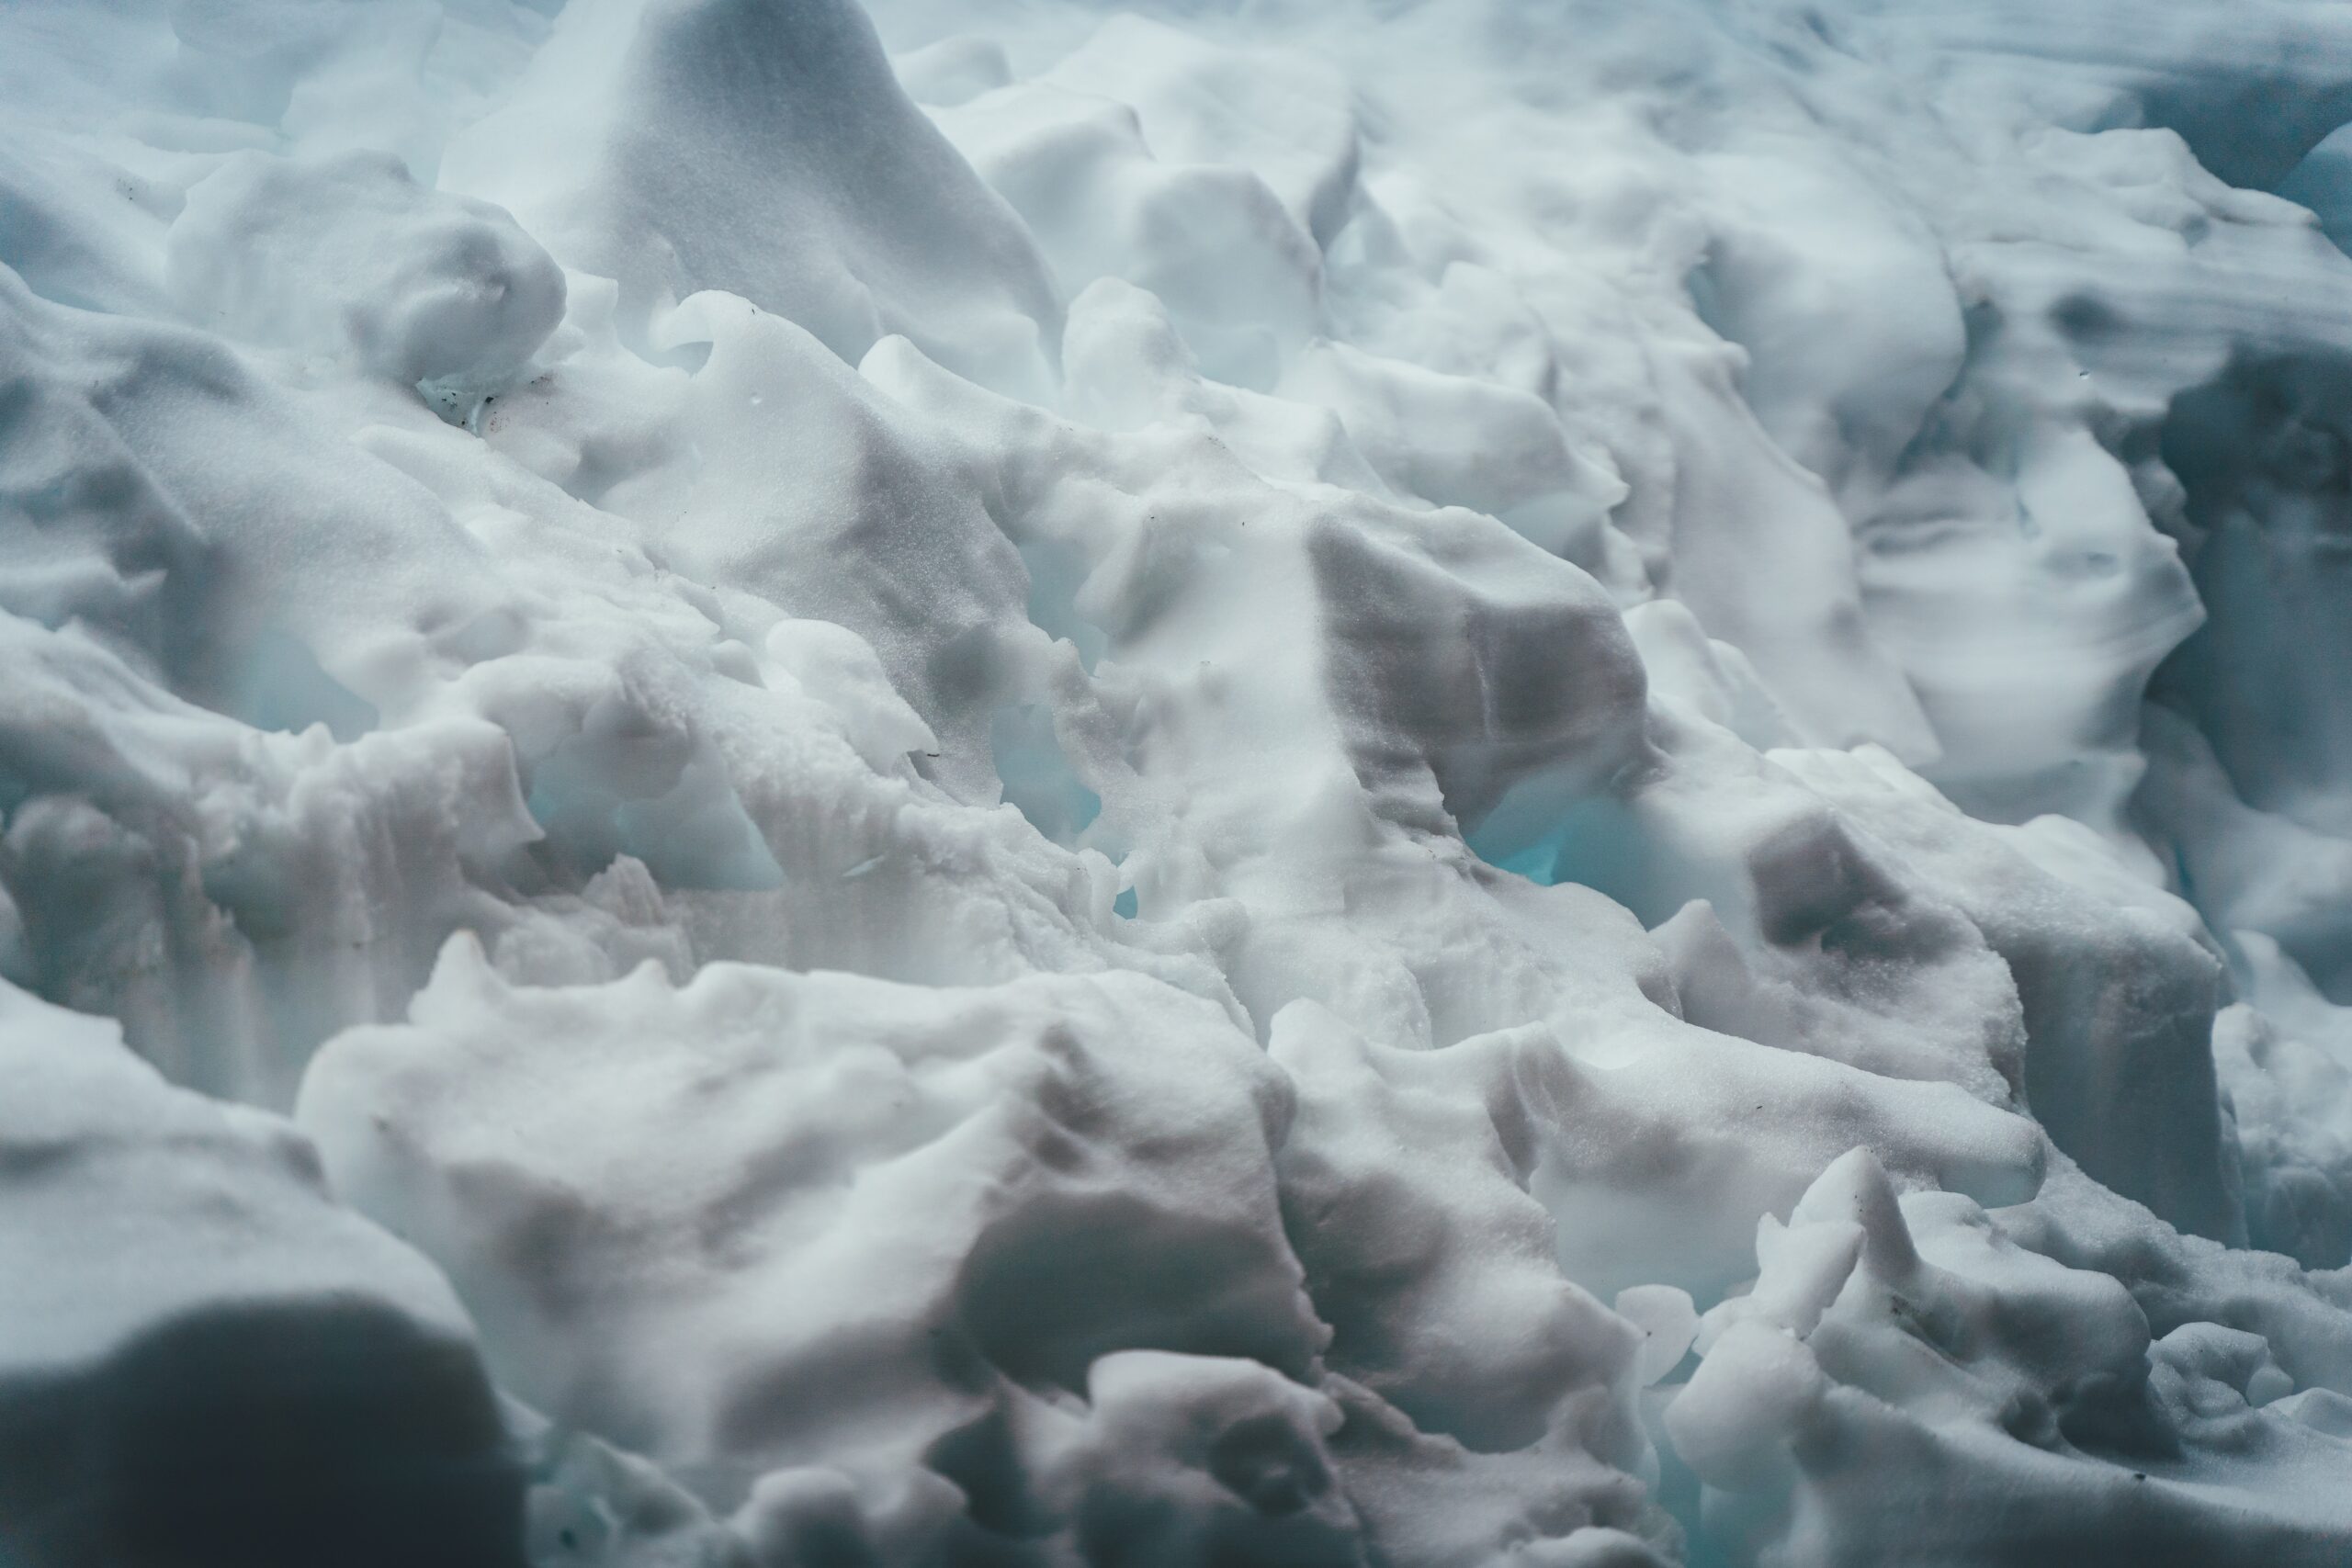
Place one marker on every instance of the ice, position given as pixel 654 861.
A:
pixel 1409 785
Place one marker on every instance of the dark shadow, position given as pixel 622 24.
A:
pixel 296 1435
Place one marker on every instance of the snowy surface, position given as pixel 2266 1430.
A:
pixel 1478 783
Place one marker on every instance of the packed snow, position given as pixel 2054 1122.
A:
pixel 1316 783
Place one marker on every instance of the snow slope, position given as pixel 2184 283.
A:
pixel 1311 781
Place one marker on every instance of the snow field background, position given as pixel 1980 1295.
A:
pixel 1564 784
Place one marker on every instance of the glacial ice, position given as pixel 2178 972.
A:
pixel 1411 783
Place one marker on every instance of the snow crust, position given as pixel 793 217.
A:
pixel 984 781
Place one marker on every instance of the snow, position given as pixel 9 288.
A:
pixel 984 781
pixel 207 1359
pixel 411 284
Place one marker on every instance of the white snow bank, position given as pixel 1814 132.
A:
pixel 407 283
pixel 1024 1241
pixel 763 149
pixel 1996 1403
pixel 1312 784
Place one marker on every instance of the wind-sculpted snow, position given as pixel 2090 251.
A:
pixel 1455 784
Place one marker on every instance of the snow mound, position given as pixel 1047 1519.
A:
pixel 765 149
pixel 412 284
pixel 1415 785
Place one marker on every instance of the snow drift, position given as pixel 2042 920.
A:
pixel 1468 782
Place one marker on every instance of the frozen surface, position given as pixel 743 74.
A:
pixel 1489 783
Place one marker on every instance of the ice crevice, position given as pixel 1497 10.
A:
pixel 989 781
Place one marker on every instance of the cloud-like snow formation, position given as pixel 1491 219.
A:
pixel 987 783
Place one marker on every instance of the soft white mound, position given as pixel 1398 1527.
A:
pixel 1538 783
pixel 351 257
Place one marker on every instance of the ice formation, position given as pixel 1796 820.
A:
pixel 1404 783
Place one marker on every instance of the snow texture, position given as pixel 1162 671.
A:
pixel 1305 784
